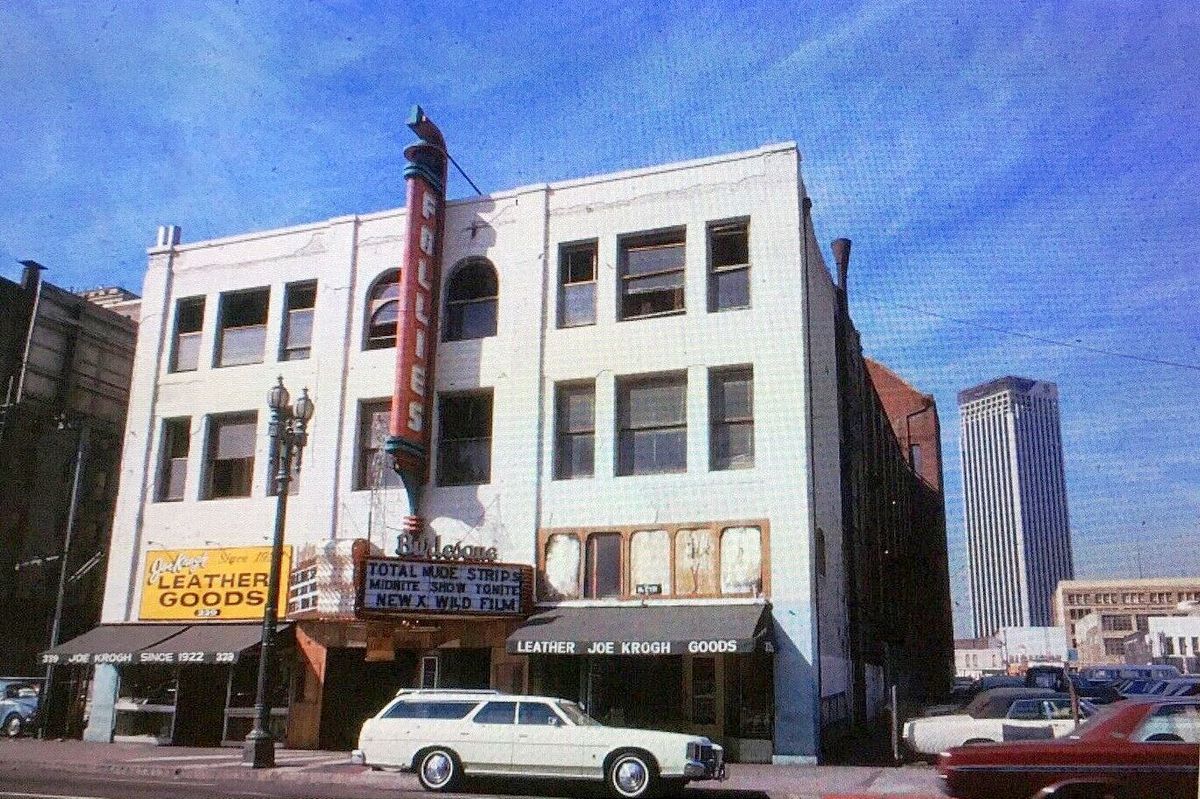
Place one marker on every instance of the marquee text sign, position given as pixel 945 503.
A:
pixel 190 584
pixel 401 586
pixel 706 646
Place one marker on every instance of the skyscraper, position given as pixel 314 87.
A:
pixel 1015 501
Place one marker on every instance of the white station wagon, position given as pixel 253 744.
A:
pixel 444 735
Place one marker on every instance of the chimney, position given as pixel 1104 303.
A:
pixel 168 236
pixel 32 275
pixel 841 255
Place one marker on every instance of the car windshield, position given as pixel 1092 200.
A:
pixel 577 716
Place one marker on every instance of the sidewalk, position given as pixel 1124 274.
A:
pixel 314 767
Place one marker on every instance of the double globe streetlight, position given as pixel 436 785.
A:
pixel 289 434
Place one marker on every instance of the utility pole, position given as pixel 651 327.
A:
pixel 81 447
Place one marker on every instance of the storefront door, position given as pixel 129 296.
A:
pixel 200 707
pixel 702 684
pixel 355 689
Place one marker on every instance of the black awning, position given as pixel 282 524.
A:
pixel 643 630
pixel 110 643
pixel 208 643
pixel 159 643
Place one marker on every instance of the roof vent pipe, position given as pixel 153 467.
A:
pixel 841 255
pixel 168 236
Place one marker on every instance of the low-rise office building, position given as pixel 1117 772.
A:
pixel 1126 605
pixel 635 497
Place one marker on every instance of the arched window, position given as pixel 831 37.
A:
pixel 471 301
pixel 383 308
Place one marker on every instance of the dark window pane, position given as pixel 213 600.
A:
pixel 576 454
pixel 652 275
pixel 731 412
pixel 729 245
pixel 471 301
pixel 653 451
pixel 496 713
pixel 230 456
pixel 189 318
pixel 471 320
pixel 602 571
pixel 730 289
pixel 651 303
pixel 579 264
pixel 383 308
pixel 175 447
pixel 465 440
pixel 576 408
pixel 537 713
pixel 647 260
pixel 733 445
pixel 654 403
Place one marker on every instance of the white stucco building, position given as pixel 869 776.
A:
pixel 635 395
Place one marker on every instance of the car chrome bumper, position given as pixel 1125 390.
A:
pixel 698 770
pixel 358 758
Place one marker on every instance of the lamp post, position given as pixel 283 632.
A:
pixel 288 432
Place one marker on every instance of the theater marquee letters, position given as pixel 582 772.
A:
pixel 224 584
pixel 397 586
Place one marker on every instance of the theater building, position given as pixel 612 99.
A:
pixel 634 460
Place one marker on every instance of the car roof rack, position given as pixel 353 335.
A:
pixel 469 691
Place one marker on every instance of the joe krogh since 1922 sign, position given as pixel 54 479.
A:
pixel 403 586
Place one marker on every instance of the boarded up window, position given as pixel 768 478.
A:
pixel 741 560
pixel 561 578
pixel 695 562
pixel 650 561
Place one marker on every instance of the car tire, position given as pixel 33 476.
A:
pixel 631 774
pixel 14 725
pixel 438 769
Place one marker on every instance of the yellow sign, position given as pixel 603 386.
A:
pixel 211 583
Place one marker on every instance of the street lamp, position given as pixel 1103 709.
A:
pixel 288 432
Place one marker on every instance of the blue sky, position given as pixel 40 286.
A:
pixel 1023 166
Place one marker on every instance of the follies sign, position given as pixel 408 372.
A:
pixel 390 587
pixel 416 323
pixel 210 583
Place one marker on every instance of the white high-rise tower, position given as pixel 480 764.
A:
pixel 1014 501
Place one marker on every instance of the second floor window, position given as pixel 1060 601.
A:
pixel 465 439
pixel 577 284
pixel 575 426
pixel 299 301
pixel 652 420
pixel 729 266
pixel 189 321
pixel 602 566
pixel 229 456
pixel 243 333
pixel 172 473
pixel 374 465
pixel 652 272
pixel 731 409
pixel 383 309
pixel 471 299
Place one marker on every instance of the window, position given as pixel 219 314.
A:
pixel 176 442
pixel 1116 623
pixel 374 466
pixel 577 284
pixel 429 710
pixel 465 440
pixel 561 580
pixel 429 672
pixel 1113 646
pixel 383 309
pixel 299 301
pixel 652 272
pixel 914 457
pixel 695 563
pixel 471 298
pixel 602 568
pixel 741 560
pixel 1182 646
pixel 1168 645
pixel 538 713
pixel 1026 710
pixel 189 321
pixel 650 562
pixel 1174 723
pixel 230 455
pixel 652 419
pixel 731 409
pixel 243 332
pixel 575 424
pixel 728 266
pixel 496 713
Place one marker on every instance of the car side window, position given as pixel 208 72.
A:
pixel 1060 710
pixel 496 713
pixel 1170 724
pixel 538 713
pixel 1026 710
pixel 429 710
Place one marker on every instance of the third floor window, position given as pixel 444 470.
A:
pixel 189 321
pixel 652 274
pixel 577 284
pixel 299 301
pixel 243 333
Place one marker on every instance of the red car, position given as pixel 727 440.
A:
pixel 1136 749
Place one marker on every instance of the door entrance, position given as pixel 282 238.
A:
pixel 200 705
pixel 702 683
pixel 354 690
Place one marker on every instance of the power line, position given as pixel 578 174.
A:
pixel 1042 339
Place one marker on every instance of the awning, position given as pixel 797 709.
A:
pixel 158 643
pixel 644 630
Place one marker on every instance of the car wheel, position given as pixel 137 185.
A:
pixel 13 726
pixel 631 775
pixel 438 770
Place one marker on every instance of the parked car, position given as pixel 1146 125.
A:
pixel 18 704
pixel 1002 714
pixel 446 735
pixel 1138 749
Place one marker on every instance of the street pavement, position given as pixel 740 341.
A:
pixel 32 769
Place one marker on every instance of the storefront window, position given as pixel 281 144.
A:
pixel 695 563
pixel 741 560
pixel 602 570
pixel 146 703
pixel 650 561
pixel 561 573
pixel 704 691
